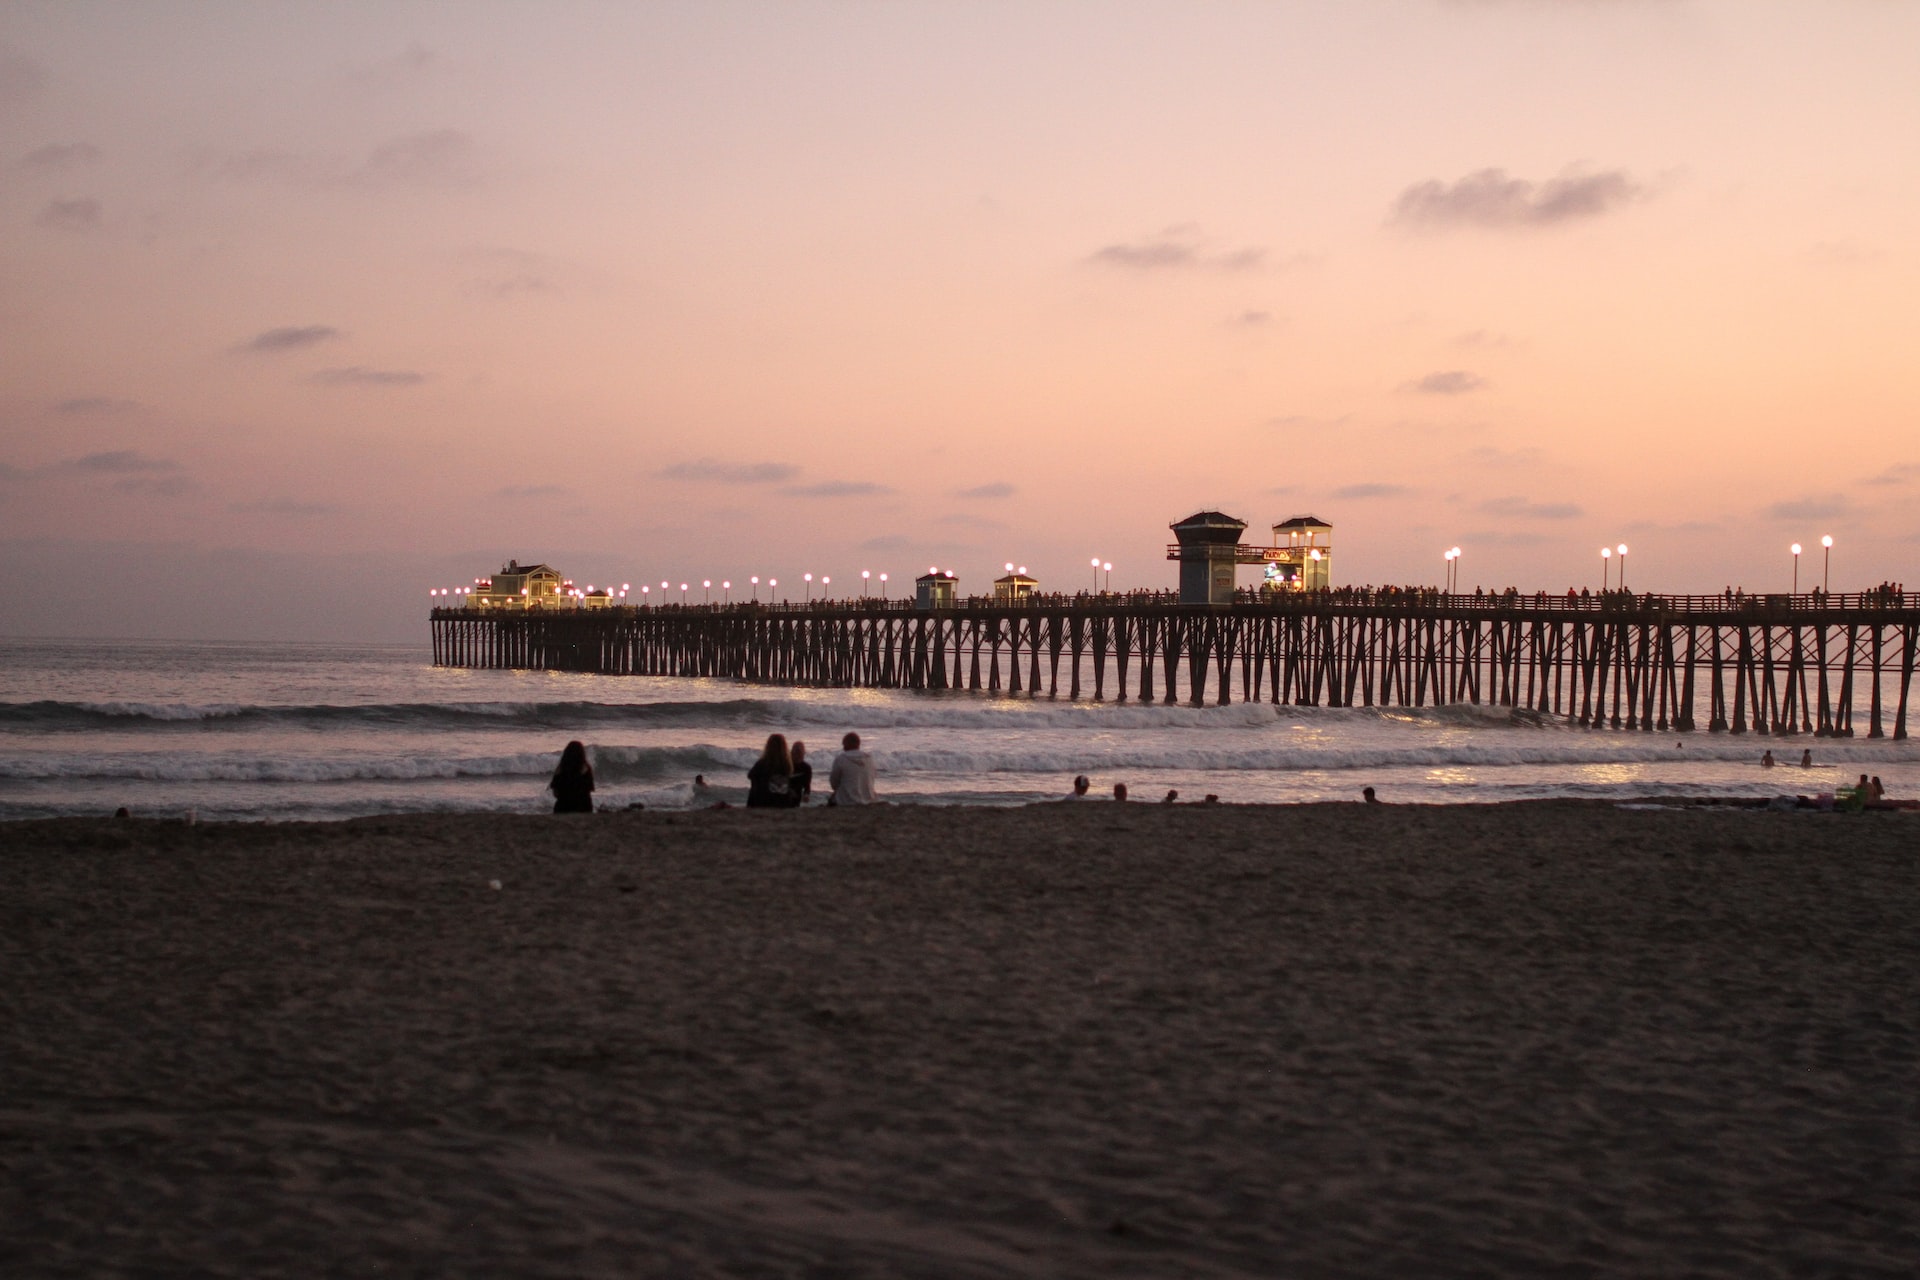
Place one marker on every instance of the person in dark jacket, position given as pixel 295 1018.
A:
pixel 770 781
pixel 802 773
pixel 572 783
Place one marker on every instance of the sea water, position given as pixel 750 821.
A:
pixel 299 731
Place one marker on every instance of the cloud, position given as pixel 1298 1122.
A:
pixel 88 405
pixel 79 214
pixel 435 158
pixel 1354 492
pixel 511 273
pixel 58 157
pixel 284 507
pixel 21 78
pixel 289 338
pixel 1251 320
pixel 1490 199
pixel 708 471
pixel 533 491
pixel 360 376
pixel 997 489
pixel 1523 509
pixel 1448 382
pixel 1818 507
pixel 837 489
pixel 1899 473
pixel 441 157
pixel 118 462
pixel 1178 248
pixel 160 486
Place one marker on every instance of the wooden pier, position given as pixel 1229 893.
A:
pixel 1765 664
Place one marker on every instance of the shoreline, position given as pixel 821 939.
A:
pixel 1060 1040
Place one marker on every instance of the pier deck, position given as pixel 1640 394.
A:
pixel 1772 664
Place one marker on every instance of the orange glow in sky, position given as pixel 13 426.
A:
pixel 335 303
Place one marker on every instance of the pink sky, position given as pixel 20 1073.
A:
pixel 305 308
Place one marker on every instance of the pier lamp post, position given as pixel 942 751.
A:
pixel 1456 569
pixel 1606 562
pixel 865 576
pixel 683 593
pixel 883 586
pixel 1826 563
pixel 1107 568
pixel 771 584
pixel 809 578
pixel 1622 549
pixel 726 590
pixel 706 585
pixel 756 587
pixel 645 591
pixel 1796 568
pixel 825 582
pixel 1096 574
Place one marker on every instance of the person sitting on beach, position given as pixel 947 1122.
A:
pixel 1875 792
pixel 572 782
pixel 1367 796
pixel 802 772
pixel 1172 797
pixel 1119 791
pixel 1081 785
pixel 852 774
pixel 770 780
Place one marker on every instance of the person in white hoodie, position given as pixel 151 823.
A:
pixel 852 774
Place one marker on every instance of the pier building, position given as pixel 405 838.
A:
pixel 1015 587
pixel 521 586
pixel 1302 558
pixel 935 589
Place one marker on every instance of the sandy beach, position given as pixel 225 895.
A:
pixel 1330 1040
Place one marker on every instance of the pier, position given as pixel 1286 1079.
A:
pixel 1775 664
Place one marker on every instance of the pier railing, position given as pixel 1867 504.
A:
pixel 1778 664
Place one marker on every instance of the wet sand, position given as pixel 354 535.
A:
pixel 1072 1040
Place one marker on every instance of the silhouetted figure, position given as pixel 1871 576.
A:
pixel 121 812
pixel 1766 760
pixel 1172 797
pixel 802 772
pixel 1875 792
pixel 852 774
pixel 1806 759
pixel 1367 796
pixel 1081 785
pixel 1119 791
pixel 770 780
pixel 572 782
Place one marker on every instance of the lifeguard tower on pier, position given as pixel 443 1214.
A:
pixel 1209 552
pixel 1302 556
pixel 1016 587
pixel 935 589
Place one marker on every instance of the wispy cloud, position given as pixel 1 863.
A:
pixel 1899 473
pixel 709 471
pixel 83 406
pixel 21 78
pixel 434 158
pixel 58 157
pixel 1525 509
pixel 997 489
pixel 118 462
pixel 79 214
pixel 1814 507
pixel 1447 382
pixel 1178 248
pixel 360 376
pixel 1357 492
pixel 837 489
pixel 289 338
pixel 1490 199
pixel 1251 320
pixel 285 507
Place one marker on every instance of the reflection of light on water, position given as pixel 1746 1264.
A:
pixel 1454 777
pixel 1612 772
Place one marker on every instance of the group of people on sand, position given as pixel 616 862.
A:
pixel 780 779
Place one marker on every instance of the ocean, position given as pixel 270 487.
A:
pixel 280 732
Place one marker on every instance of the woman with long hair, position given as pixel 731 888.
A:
pixel 572 783
pixel 770 781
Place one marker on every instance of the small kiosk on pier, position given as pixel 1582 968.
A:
pixel 1302 556
pixel 935 589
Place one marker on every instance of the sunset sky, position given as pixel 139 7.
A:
pixel 306 308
